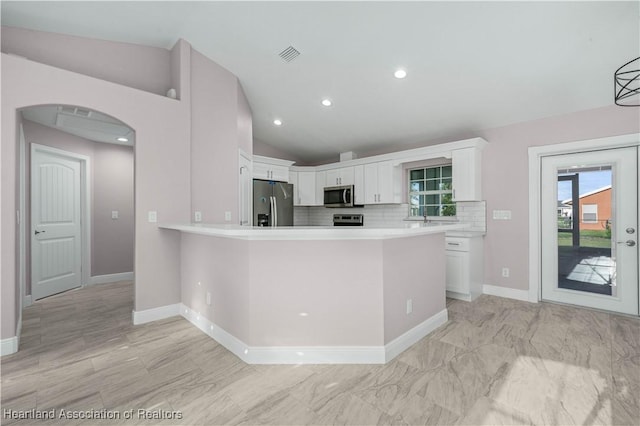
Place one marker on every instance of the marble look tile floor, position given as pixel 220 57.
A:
pixel 497 361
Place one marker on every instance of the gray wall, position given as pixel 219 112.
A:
pixel 220 124
pixel 112 241
pixel 142 67
pixel 111 182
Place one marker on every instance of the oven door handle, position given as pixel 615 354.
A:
pixel 344 196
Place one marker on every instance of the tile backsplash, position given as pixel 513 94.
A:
pixel 473 212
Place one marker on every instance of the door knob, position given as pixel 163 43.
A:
pixel 630 230
pixel 629 243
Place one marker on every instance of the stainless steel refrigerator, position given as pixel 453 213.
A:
pixel 272 203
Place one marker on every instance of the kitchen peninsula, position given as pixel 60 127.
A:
pixel 314 294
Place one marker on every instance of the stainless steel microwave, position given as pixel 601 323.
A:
pixel 338 196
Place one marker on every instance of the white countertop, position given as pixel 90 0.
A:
pixel 315 232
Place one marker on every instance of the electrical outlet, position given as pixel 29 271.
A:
pixel 505 272
pixel 197 216
pixel 227 216
pixel 153 216
pixel 409 306
pixel 208 299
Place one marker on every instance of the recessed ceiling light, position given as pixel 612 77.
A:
pixel 327 102
pixel 400 73
pixel 277 122
pixel 122 139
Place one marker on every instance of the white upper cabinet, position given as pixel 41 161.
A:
pixel 382 183
pixel 371 183
pixel 466 177
pixel 293 180
pixel 358 185
pixel 377 179
pixel 341 176
pixel 321 177
pixel 389 183
pixel 306 192
pixel 271 168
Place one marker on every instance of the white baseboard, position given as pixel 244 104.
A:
pixel 458 296
pixel 509 293
pixel 316 355
pixel 229 341
pixel 406 340
pixel 155 314
pixel 313 354
pixel 111 278
pixel 9 346
pixel 27 301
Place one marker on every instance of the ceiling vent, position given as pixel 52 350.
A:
pixel 289 54
pixel 86 124
pixel 75 111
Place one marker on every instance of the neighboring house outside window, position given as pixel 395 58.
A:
pixel 595 209
pixel 430 191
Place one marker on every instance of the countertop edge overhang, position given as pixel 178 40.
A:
pixel 305 233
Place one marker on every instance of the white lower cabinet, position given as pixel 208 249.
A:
pixel 464 267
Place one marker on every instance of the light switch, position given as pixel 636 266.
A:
pixel 502 214
pixel 227 216
pixel 114 214
pixel 197 216
pixel 153 216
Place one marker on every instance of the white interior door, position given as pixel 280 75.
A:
pixel 590 253
pixel 56 255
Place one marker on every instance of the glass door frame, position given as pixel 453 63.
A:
pixel 592 282
pixel 536 153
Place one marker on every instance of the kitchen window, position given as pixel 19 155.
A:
pixel 430 192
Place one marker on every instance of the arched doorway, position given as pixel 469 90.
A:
pixel 89 212
pixel 162 179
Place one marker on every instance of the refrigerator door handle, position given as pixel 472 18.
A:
pixel 271 209
pixel 275 211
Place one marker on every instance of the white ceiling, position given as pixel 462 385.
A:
pixel 471 65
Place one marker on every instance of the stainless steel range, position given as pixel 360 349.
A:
pixel 348 220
